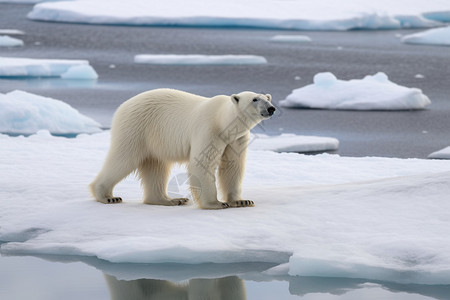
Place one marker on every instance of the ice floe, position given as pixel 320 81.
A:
pixel 441 154
pixel 374 92
pixel 11 32
pixel 7 41
pixel 197 59
pixel 435 36
pixel 25 113
pixel 31 67
pixel 80 72
pixel 292 143
pixel 290 39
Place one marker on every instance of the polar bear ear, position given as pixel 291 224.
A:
pixel 235 98
pixel 269 97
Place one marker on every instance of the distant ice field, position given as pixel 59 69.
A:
pixel 300 15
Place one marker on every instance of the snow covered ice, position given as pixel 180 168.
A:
pixel 25 113
pixel 342 15
pixel 379 217
pixel 435 36
pixel 197 59
pixel 375 92
pixel 29 67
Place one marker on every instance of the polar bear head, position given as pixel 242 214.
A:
pixel 256 106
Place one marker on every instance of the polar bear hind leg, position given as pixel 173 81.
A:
pixel 114 170
pixel 154 176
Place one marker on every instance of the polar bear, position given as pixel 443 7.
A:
pixel 158 128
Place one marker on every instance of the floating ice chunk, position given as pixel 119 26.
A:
pixel 29 67
pixel 291 39
pixel 441 154
pixel 11 32
pixel 293 143
pixel 7 41
pixel 436 36
pixel 25 113
pixel 374 92
pixel 80 72
pixel 194 59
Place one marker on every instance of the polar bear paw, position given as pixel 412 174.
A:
pixel 241 203
pixel 167 201
pixel 216 205
pixel 179 201
pixel 110 200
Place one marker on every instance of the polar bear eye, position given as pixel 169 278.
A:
pixel 255 99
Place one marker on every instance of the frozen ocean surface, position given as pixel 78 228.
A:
pixel 375 92
pixel 316 15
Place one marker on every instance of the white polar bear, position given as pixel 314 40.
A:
pixel 157 128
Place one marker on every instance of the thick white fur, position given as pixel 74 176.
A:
pixel 157 128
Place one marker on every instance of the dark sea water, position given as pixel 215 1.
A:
pixel 111 49
pixel 349 55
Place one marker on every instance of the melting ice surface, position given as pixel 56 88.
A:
pixel 375 92
pixel 311 15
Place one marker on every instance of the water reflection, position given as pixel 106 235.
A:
pixel 132 281
pixel 227 288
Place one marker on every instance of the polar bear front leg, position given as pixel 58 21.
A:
pixel 231 172
pixel 202 168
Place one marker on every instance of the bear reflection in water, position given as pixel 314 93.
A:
pixel 227 288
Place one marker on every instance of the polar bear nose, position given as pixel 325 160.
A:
pixel 271 110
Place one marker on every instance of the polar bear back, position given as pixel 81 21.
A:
pixel 163 122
